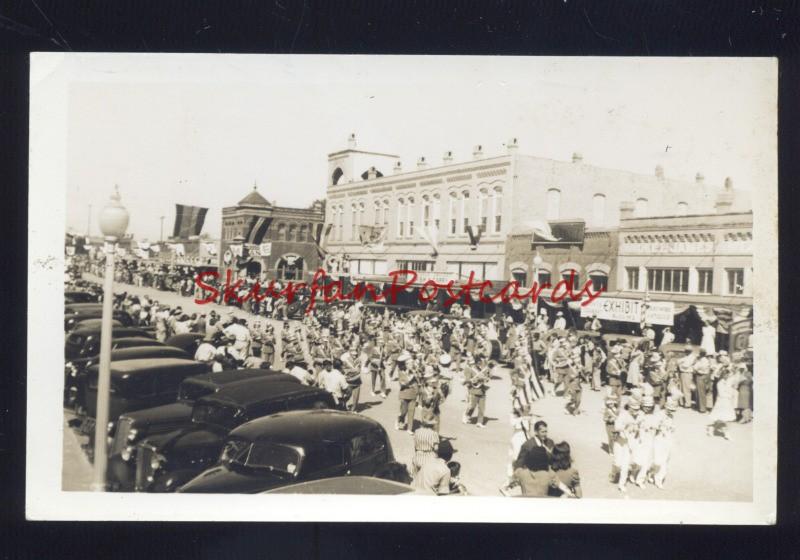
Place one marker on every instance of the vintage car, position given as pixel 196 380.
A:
pixel 166 461
pixel 75 308
pixel 188 342
pixel 132 427
pixel 75 370
pixel 293 447
pixel 344 485
pixel 85 343
pixel 138 384
pixel 76 296
pixel 76 320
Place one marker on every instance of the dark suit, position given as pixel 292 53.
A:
pixel 530 444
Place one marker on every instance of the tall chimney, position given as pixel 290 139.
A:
pixel 728 184
pixel 351 141
pixel 398 167
pixel 422 162
pixel 512 145
pixel 626 208
pixel 447 157
pixel 659 172
pixel 699 178
pixel 577 157
pixel 477 152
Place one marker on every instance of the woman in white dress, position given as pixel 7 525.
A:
pixel 724 410
pixel 634 378
pixel 708 342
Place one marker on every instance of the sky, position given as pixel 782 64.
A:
pixel 203 129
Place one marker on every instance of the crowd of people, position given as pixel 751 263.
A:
pixel 422 356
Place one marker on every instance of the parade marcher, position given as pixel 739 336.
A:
pixel 352 365
pixel 614 370
pixel 634 378
pixel 598 358
pixel 431 397
pixel 610 412
pixel 572 382
pixel 642 446
pixel 409 390
pixel 656 376
pixel 559 360
pixel 662 443
pixel 626 428
pixel 476 378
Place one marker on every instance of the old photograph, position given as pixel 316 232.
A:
pixel 403 288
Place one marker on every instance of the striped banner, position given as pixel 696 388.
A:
pixel 188 221
pixel 258 229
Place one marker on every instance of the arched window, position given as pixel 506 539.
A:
pixel 683 208
pixel 426 211
pixel 498 209
pixel 302 233
pixel 452 213
pixel 483 210
pixel 553 204
pixel 353 221
pixel 598 209
pixel 340 222
pixel 386 213
pixel 281 231
pixel 290 235
pixel 361 211
pixel 465 211
pixel 410 216
pixel 401 223
pixel 436 210
pixel 598 274
pixel 641 207
pixel 378 210
pixel 337 174
pixel 571 271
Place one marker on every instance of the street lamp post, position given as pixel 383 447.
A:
pixel 113 223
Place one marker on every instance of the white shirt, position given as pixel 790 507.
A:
pixel 304 376
pixel 334 382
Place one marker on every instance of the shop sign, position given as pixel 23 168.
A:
pixel 630 310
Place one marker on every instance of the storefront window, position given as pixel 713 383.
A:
pixel 416 266
pixel 633 277
pixel 735 281
pixel 705 280
pixel 668 279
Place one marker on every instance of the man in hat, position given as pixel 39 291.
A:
pixel 238 330
pixel 542 321
pixel 686 371
pixel 431 397
pixel 560 322
pixel 352 364
pixel 207 350
pixel 614 370
pixel 408 393
pixel 560 363
pixel 572 380
pixel 610 413
pixel 476 378
pixel 702 372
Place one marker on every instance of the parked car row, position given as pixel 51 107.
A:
pixel 177 426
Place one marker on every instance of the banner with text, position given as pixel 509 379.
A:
pixel 630 310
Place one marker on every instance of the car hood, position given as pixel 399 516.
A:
pixel 166 414
pixel 222 480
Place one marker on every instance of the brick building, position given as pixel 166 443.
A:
pixel 270 241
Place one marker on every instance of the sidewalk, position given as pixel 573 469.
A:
pixel 76 473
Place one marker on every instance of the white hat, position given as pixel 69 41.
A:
pixel 445 359
pixel 559 314
pixel 404 356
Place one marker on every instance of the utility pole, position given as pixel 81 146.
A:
pixel 162 229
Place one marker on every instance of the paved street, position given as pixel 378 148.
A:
pixel 701 467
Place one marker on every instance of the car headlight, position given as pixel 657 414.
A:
pixel 126 453
pixel 132 434
pixel 156 461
